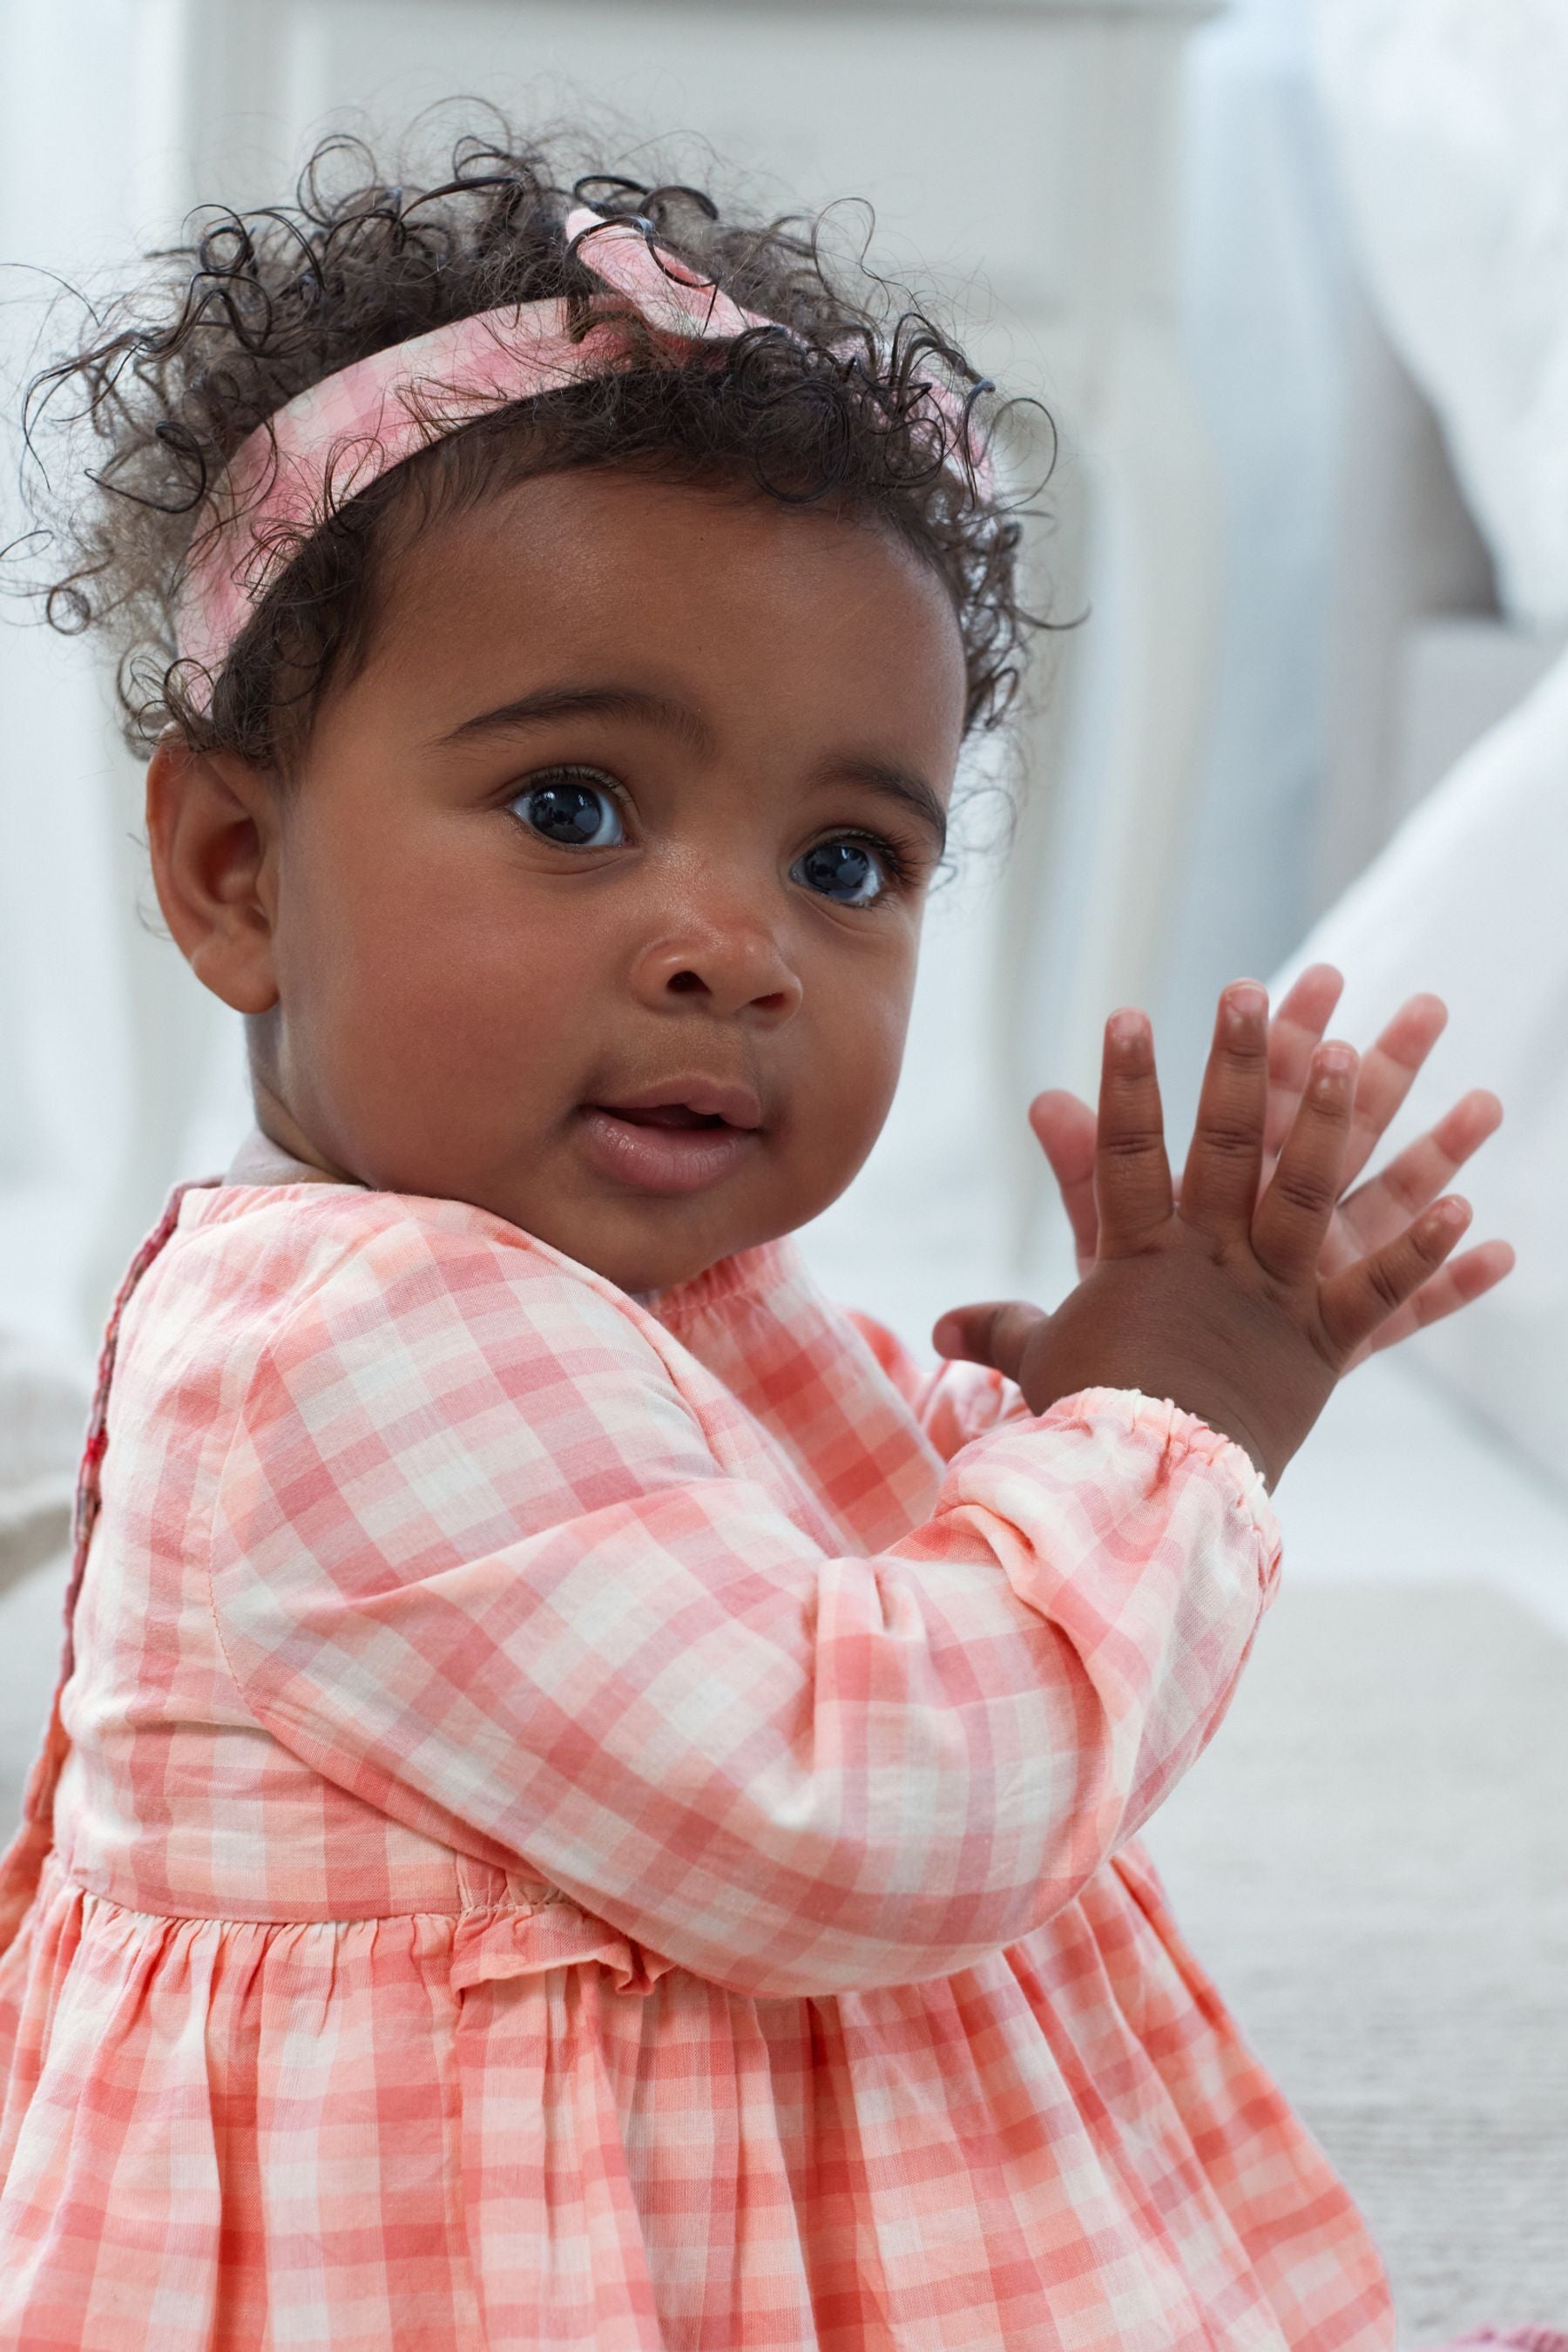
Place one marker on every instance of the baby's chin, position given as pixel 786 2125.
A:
pixel 654 1245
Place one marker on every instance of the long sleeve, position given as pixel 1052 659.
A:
pixel 477 1557
pixel 952 1402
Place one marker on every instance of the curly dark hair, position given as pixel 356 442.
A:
pixel 263 304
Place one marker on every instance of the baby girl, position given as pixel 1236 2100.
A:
pixel 593 1802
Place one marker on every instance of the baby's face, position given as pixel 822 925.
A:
pixel 598 900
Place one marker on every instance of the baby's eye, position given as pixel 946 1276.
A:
pixel 852 873
pixel 571 810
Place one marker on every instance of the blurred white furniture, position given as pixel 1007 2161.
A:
pixel 1449 125
pixel 42 1412
pixel 1450 128
pixel 1423 659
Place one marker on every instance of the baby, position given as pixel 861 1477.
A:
pixel 593 1802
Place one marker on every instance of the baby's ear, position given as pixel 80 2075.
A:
pixel 212 825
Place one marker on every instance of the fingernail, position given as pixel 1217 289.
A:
pixel 1335 1060
pixel 1245 1006
pixel 1126 1028
pixel 1453 1214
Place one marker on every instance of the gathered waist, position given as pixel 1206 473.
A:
pixel 508 1925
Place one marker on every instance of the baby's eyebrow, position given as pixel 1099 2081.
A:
pixel 588 702
pixel 910 792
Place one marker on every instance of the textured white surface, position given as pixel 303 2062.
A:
pixel 1452 123
pixel 1372 1858
pixel 1373 1861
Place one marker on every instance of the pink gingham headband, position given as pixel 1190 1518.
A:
pixel 334 439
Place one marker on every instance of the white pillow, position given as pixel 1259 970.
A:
pixel 1451 120
pixel 1470 897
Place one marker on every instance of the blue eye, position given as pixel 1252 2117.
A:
pixel 570 812
pixel 851 873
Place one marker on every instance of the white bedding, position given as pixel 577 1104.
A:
pixel 1470 898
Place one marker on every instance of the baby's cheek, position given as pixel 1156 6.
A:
pixel 844 1108
pixel 438 1042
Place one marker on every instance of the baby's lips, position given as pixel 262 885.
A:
pixel 736 1105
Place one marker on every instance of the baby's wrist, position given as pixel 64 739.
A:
pixel 1226 1418
pixel 1217 1403
pixel 1230 1420
pixel 1213 1356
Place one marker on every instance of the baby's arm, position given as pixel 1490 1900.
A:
pixel 476 1560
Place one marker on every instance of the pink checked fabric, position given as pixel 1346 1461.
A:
pixel 582 1823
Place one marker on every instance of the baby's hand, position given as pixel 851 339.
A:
pixel 1378 1208
pixel 1223 1304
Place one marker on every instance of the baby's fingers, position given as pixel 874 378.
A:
pixel 1219 1183
pixel 1459 1283
pixel 1131 1173
pixel 1357 1302
pixel 1378 1209
pixel 1065 1130
pixel 1292 1219
pixel 1295 1033
pixel 993 1332
pixel 1388 1071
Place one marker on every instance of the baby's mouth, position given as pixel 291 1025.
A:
pixel 688 1100
pixel 675 1145
pixel 664 1115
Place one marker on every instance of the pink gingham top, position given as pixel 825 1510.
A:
pixel 598 1824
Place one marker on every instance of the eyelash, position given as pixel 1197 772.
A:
pixel 571 772
pixel 898 869
pixel 900 866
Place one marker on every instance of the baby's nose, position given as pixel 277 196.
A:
pixel 731 965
